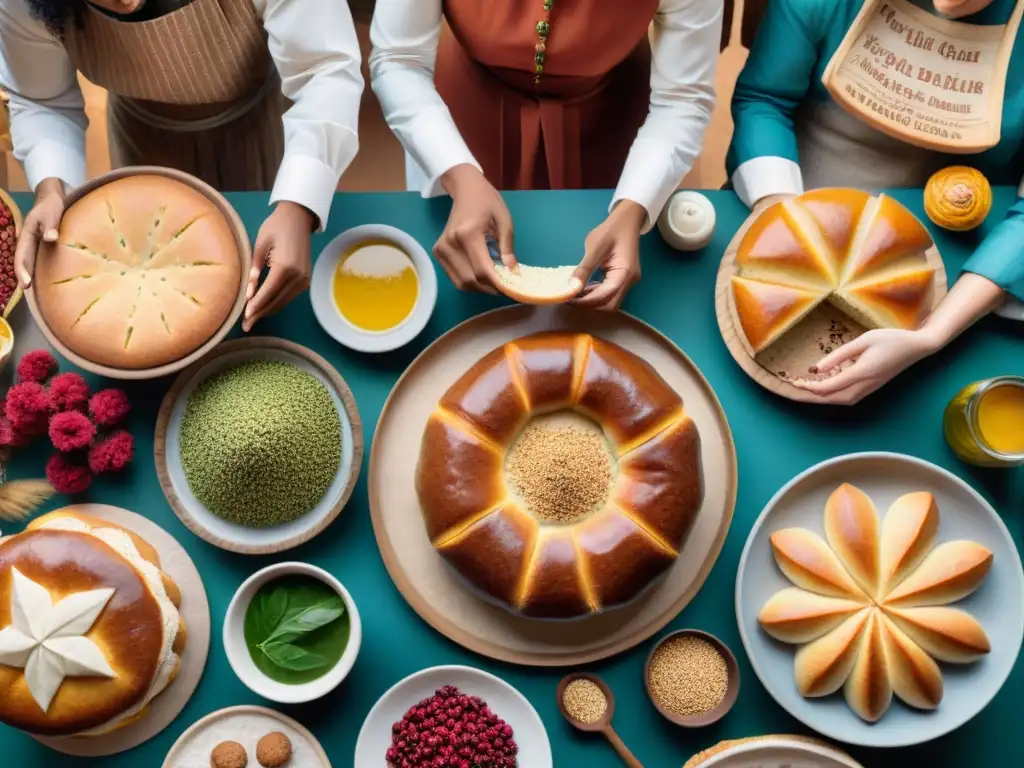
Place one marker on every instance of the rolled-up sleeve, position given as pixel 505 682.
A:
pixel 314 46
pixel 763 158
pixel 405 36
pixel 47 110
pixel 685 37
pixel 1000 257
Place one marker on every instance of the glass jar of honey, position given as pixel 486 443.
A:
pixel 984 423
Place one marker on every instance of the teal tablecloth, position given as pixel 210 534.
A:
pixel 775 440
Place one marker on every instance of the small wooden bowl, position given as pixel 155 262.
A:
pixel 606 718
pixel 732 691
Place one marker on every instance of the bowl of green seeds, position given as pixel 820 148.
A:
pixel 258 446
pixel 292 633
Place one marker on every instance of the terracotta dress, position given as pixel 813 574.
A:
pixel 570 127
pixel 192 86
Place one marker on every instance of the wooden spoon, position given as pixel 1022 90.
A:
pixel 604 724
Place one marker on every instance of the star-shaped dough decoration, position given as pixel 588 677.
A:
pixel 870 603
pixel 48 640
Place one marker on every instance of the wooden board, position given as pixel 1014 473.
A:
pixel 438 595
pixel 195 610
pixel 237 538
pixel 198 737
pixel 791 357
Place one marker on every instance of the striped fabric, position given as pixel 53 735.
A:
pixel 195 89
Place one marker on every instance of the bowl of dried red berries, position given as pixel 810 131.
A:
pixel 10 227
pixel 453 717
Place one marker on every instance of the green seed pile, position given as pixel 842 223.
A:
pixel 260 443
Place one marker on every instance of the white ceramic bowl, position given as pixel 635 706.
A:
pixel 238 652
pixel 505 701
pixel 330 318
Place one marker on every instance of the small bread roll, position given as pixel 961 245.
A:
pixel 948 634
pixel 914 676
pixel 950 572
pixel 797 616
pixel 908 532
pixel 851 527
pixel 822 667
pixel 808 562
pixel 867 689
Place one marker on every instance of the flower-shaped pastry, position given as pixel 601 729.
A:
pixel 869 606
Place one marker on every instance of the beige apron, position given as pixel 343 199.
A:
pixel 195 89
pixel 925 80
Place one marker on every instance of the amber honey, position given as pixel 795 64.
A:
pixel 984 422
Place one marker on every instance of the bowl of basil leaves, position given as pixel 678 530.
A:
pixel 292 633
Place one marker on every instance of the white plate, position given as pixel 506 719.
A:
pixel 506 702
pixel 246 725
pixel 240 538
pixel 779 752
pixel 1011 309
pixel 998 604
pixel 322 289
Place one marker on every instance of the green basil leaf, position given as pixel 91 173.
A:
pixel 275 605
pixel 306 620
pixel 288 656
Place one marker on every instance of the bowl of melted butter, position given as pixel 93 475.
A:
pixel 374 288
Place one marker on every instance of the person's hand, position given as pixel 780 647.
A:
pixel 769 200
pixel 478 211
pixel 41 225
pixel 878 356
pixel 282 246
pixel 614 246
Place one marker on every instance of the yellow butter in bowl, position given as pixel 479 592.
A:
pixel 375 286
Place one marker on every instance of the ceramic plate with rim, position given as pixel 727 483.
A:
pixel 506 702
pixel 223 533
pixel 1011 309
pixel 321 292
pixel 246 725
pixel 998 604
pixel 775 752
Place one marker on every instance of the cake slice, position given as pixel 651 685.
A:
pixel 889 235
pixel 895 299
pixel 783 246
pixel 766 311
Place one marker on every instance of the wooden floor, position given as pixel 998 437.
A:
pixel 380 163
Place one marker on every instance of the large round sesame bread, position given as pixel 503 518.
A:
pixel 145 271
pixel 488 511
pixel 89 626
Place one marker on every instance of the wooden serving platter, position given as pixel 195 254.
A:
pixel 791 357
pixel 195 610
pixel 437 594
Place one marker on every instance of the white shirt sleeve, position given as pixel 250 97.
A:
pixel 764 176
pixel 685 39
pixel 314 46
pixel 48 119
pixel 405 35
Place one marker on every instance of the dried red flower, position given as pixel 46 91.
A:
pixel 71 431
pixel 37 365
pixel 27 408
pixel 68 392
pixel 67 474
pixel 109 407
pixel 112 453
